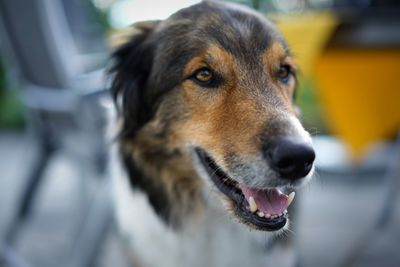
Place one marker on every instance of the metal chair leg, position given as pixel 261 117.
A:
pixel 35 178
pixel 94 229
pixel 392 181
pixel 391 191
pixel 9 258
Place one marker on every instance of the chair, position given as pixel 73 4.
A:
pixel 58 54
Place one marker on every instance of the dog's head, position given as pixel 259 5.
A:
pixel 219 80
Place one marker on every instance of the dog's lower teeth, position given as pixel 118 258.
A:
pixel 252 207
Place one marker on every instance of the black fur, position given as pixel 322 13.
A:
pixel 157 197
pixel 151 64
pixel 133 63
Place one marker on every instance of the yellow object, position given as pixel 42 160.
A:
pixel 359 88
pixel 307 35
pixel 360 92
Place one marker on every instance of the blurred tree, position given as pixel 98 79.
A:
pixel 11 115
pixel 256 4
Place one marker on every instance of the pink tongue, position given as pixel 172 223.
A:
pixel 268 201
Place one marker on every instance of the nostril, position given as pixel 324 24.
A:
pixel 284 164
pixel 289 159
pixel 309 162
pixel 307 165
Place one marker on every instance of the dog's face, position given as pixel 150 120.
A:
pixel 219 80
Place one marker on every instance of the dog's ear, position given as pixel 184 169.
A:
pixel 132 66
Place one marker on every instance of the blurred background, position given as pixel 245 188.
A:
pixel 54 192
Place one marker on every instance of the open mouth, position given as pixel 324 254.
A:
pixel 263 209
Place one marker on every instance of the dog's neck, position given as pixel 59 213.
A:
pixel 164 171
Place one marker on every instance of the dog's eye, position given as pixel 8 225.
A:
pixel 207 78
pixel 203 76
pixel 284 73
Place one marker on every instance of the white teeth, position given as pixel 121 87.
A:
pixel 253 204
pixel 254 209
pixel 290 198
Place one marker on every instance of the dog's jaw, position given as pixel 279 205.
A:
pixel 259 208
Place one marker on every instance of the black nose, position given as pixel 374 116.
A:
pixel 290 159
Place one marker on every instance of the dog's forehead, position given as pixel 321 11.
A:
pixel 239 30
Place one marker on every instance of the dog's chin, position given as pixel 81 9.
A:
pixel 260 209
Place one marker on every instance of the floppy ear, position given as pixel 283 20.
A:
pixel 132 66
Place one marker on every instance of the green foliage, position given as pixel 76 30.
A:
pixel 312 115
pixel 11 115
pixel 100 16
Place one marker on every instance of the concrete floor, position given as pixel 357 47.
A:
pixel 337 215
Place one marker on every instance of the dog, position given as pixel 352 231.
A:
pixel 210 149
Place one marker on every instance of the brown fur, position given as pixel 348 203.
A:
pixel 165 112
pixel 232 119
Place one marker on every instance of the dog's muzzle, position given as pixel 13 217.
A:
pixel 264 208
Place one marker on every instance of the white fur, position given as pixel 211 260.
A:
pixel 299 133
pixel 213 239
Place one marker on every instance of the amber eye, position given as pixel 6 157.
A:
pixel 203 76
pixel 284 73
pixel 206 78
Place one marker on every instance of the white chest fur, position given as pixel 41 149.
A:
pixel 212 240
